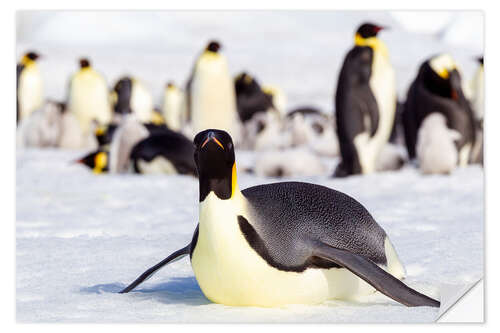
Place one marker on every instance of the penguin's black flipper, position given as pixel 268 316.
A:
pixel 19 69
pixel 179 254
pixel 374 275
pixel 368 104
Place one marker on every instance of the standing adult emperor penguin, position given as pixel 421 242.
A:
pixel 283 243
pixel 438 88
pixel 211 94
pixel 88 97
pixel 29 86
pixel 130 95
pixel 365 102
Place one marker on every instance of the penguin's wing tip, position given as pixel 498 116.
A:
pixel 374 275
pixel 179 254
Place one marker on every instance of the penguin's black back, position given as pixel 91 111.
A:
pixel 154 129
pixel 430 93
pixel 123 90
pixel 170 145
pixel 106 137
pixel 250 98
pixel 285 217
pixel 354 101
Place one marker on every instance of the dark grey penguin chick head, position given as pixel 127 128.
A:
pixel 367 30
pixel 215 162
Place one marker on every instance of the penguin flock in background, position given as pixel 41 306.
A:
pixel 366 130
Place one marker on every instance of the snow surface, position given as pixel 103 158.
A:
pixel 82 237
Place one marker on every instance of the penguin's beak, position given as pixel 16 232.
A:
pixel 211 138
pixel 380 28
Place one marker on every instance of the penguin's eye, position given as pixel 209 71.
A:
pixel 317 128
pixel 260 126
pixel 229 146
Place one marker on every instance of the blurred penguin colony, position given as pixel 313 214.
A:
pixel 437 129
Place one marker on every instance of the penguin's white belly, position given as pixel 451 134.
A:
pixel 89 101
pixel 174 109
pixel 383 86
pixel 213 100
pixel 158 165
pixel 141 102
pixel 30 91
pixel 230 272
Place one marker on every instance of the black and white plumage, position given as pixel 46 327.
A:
pixel 283 243
pixel 29 86
pixel 250 98
pixel 438 88
pixel 211 99
pixel 143 148
pixel 164 152
pixel 130 132
pixel 88 97
pixel 130 95
pixel 365 103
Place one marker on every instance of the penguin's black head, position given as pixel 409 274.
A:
pixel 367 30
pixel 213 46
pixel 441 77
pixel 32 55
pixel 104 134
pixel 246 84
pixel 215 161
pixel 97 161
pixel 480 60
pixel 84 63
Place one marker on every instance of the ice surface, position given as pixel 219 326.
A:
pixel 82 237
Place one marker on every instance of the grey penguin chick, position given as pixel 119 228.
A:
pixel 436 148
pixel 283 243
pixel 289 163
